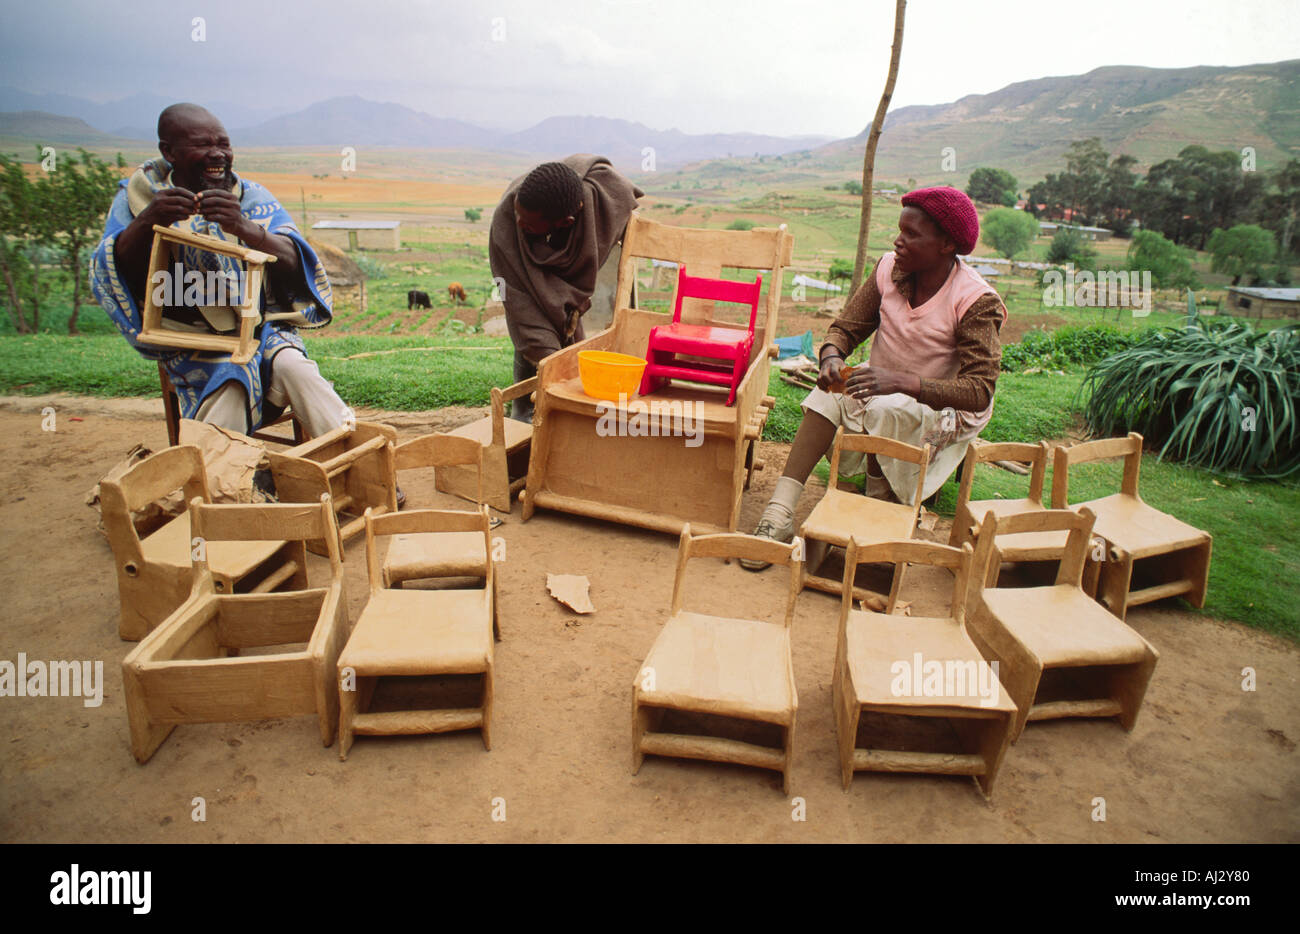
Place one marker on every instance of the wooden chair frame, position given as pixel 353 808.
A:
pixel 1177 554
pixel 984 730
pixel 1031 630
pixel 190 670
pixel 354 716
pixel 821 530
pixel 656 481
pixel 355 466
pixel 240 348
pixel 494 485
pixel 648 706
pixel 151 587
pixel 1017 549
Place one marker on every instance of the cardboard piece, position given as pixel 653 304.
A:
pixel 734 668
pixel 229 458
pixel 572 590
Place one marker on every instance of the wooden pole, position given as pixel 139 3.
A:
pixel 873 137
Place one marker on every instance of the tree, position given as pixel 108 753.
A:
pixel 1187 197
pixel 840 269
pixel 1169 264
pixel 473 214
pixel 1282 207
pixel 853 187
pixel 1068 246
pixel 873 139
pixel 992 186
pixel 77 195
pixel 1085 173
pixel 17 209
pixel 1241 250
pixel 1009 231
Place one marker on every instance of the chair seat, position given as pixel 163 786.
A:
pixel 697 338
pixel 435 554
pixel 841 516
pixel 517 433
pixel 877 642
pixel 1064 627
pixel 732 667
pixel 172 545
pixel 421 632
pixel 1020 546
pixel 1130 524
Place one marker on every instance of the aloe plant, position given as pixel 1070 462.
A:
pixel 1215 394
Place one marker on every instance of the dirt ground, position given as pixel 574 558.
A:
pixel 1206 762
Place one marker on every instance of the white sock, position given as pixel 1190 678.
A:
pixel 787 493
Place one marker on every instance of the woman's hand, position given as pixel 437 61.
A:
pixel 869 381
pixel 830 372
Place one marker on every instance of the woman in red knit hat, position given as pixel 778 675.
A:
pixel 933 366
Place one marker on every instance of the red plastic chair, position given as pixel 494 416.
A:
pixel 729 345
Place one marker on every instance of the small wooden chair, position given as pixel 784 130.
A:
pixel 506 444
pixel 242 346
pixel 876 672
pixel 842 515
pixel 353 465
pixel 446 554
pixel 172 413
pixel 1060 653
pixel 729 346
pixel 1020 549
pixel 418 633
pixel 193 668
pixel 1150 555
pixel 155 572
pixel 733 668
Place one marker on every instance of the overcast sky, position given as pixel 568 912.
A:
pixel 772 66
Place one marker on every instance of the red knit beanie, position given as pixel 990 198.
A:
pixel 952 210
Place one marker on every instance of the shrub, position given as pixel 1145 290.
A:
pixel 1069 345
pixel 1219 395
pixel 741 224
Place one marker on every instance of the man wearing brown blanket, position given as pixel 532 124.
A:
pixel 551 233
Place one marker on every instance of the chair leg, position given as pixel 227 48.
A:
pixel 640 723
pixel 1198 571
pixel 789 758
pixel 1130 687
pixel 347 711
pixel 847 714
pixel 487 708
pixel 146 735
pixel 1113 586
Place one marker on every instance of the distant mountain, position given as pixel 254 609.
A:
pixel 49 128
pixel 625 142
pixel 134 117
pixel 353 121
pixel 1148 113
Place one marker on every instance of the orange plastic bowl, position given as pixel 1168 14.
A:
pixel 606 375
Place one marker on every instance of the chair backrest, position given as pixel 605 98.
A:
pixel 708 252
pixel 880 446
pixel 499 399
pixel 718 290
pixel 261 522
pixel 1129 448
pixel 440 450
pixel 151 479
pixel 417 521
pixel 957 560
pixel 736 545
pixel 1035 455
pixel 1070 571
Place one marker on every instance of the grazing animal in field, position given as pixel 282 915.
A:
pixel 417 299
pixel 456 292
